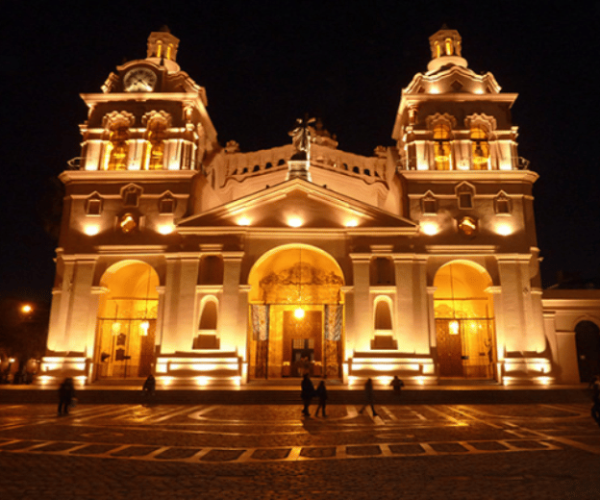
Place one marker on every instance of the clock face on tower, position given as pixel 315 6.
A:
pixel 139 80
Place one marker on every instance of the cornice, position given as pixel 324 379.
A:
pixel 463 250
pixel 131 249
pixel 470 175
pixel 141 96
pixel 126 175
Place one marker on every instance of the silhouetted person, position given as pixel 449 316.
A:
pixel 595 386
pixel 397 384
pixel 66 393
pixel 368 397
pixel 322 395
pixel 149 387
pixel 308 391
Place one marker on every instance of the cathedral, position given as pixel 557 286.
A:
pixel 206 265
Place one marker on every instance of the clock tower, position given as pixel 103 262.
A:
pixel 145 139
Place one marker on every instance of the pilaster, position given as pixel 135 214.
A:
pixel 412 313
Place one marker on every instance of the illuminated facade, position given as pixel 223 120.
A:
pixel 203 263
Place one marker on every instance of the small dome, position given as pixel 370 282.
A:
pixel 446 49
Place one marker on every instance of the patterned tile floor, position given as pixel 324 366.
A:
pixel 446 444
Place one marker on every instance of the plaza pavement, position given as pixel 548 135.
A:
pixel 223 450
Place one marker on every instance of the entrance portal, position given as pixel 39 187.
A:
pixel 125 336
pixel 296 314
pixel 464 322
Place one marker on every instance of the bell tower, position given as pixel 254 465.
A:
pixel 471 193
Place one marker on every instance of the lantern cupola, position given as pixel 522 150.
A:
pixel 162 49
pixel 446 49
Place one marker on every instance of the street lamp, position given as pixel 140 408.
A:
pixel 26 309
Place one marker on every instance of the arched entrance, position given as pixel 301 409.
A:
pixel 587 341
pixel 296 314
pixel 464 321
pixel 126 321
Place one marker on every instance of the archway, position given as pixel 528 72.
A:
pixel 125 334
pixel 464 321
pixel 587 341
pixel 296 314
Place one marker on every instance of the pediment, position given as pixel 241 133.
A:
pixel 296 204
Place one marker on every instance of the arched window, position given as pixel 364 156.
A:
pixel 383 316
pixel 441 138
pixel 117 147
pixel 449 47
pixel 156 133
pixel 480 148
pixel 208 318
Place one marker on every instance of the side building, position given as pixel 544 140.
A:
pixel 204 264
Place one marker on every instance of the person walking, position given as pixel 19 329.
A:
pixel 396 384
pixel 66 393
pixel 149 388
pixel 368 397
pixel 308 391
pixel 322 395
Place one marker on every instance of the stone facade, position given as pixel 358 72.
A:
pixel 205 264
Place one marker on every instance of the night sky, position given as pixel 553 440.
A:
pixel 266 63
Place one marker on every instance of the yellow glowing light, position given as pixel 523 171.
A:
pixel 295 222
pixel 144 325
pixel 243 221
pixel 352 223
pixel 116 328
pixel 504 229
pixel 26 309
pixel 166 229
pixel 202 380
pixel 127 223
pixel 467 225
pixel 454 327
pixel 91 229
pixel 299 313
pixel 544 380
pixel 430 228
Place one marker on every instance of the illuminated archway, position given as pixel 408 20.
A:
pixel 464 320
pixel 296 313
pixel 126 321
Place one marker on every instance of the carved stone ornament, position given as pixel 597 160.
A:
pixel 117 119
pixel 157 115
pixel 301 283
pixel 433 120
pixel 488 123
